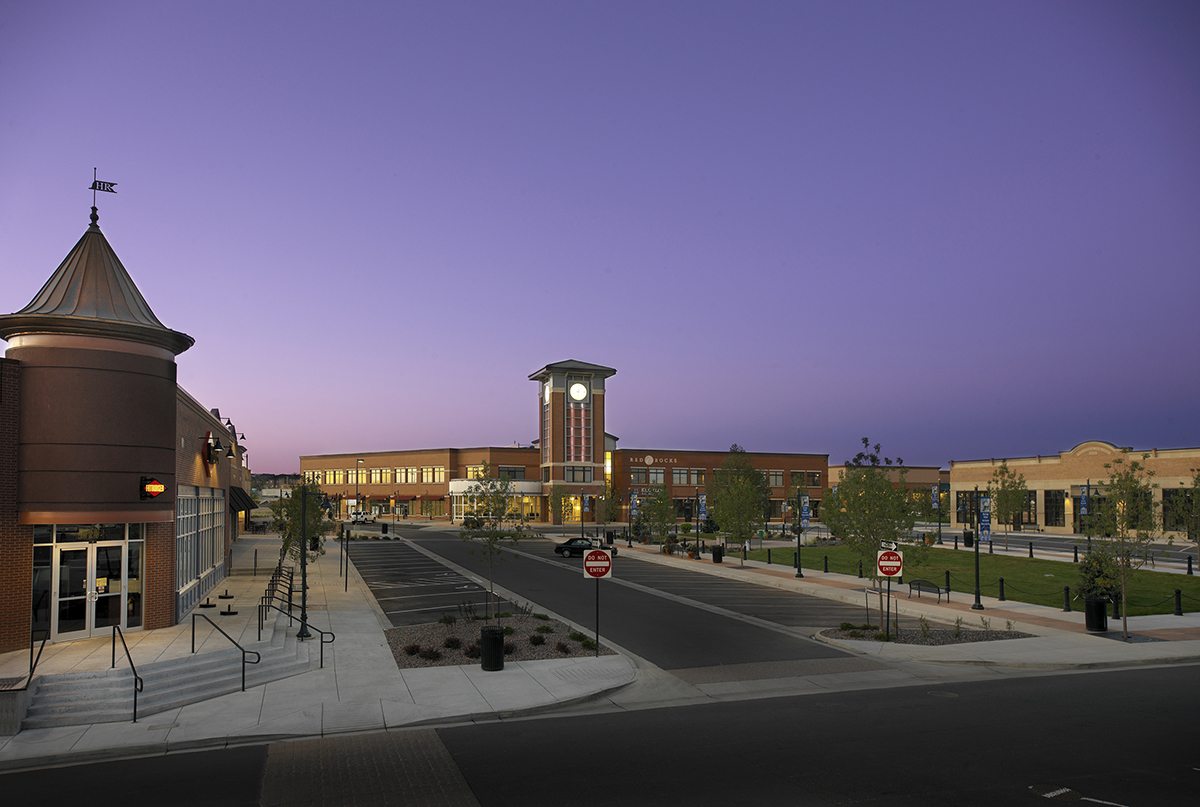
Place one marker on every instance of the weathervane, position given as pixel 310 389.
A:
pixel 97 185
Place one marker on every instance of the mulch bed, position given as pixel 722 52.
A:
pixel 937 636
pixel 433 636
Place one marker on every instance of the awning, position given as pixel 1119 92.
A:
pixel 405 498
pixel 239 499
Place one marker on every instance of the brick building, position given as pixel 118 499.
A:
pixel 572 452
pixel 118 491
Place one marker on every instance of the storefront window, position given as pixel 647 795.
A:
pixel 1055 504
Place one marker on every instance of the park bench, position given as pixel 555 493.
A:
pixel 927 587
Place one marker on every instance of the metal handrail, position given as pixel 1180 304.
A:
pixel 262 610
pixel 257 655
pixel 138 683
pixel 33 662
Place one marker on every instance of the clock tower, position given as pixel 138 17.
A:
pixel 571 431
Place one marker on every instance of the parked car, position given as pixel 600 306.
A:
pixel 575 547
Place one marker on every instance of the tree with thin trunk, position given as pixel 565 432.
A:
pixel 869 508
pixel 559 502
pixel 1128 518
pixel 1009 496
pixel 658 510
pixel 302 515
pixel 495 522
pixel 737 495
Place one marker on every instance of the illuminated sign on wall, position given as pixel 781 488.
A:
pixel 151 487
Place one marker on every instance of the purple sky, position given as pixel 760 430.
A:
pixel 962 229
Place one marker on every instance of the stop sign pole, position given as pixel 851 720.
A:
pixel 890 563
pixel 597 564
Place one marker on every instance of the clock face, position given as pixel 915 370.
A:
pixel 578 391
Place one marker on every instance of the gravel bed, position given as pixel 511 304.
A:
pixel 434 634
pixel 937 636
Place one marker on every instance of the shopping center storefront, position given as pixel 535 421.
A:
pixel 119 492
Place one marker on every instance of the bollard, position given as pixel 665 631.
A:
pixel 991 546
pixel 860 568
pixel 1067 599
pixel 1189 557
pixel 827 563
pixel 956 542
pixel 1076 554
pixel 1031 549
pixel 1178 603
pixel 1116 601
pixel 947 585
pixel 768 556
pixel 1002 589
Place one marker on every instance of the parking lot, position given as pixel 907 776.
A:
pixel 413 589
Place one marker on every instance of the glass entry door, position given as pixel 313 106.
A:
pixel 89 590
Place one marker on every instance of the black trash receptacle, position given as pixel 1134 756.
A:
pixel 1095 614
pixel 968 539
pixel 491 648
pixel 385 529
pixel 718 552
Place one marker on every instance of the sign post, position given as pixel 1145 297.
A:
pixel 890 564
pixel 597 564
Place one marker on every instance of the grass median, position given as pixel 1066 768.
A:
pixel 1033 580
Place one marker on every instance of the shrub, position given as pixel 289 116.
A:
pixel 563 648
pixel 846 626
pixel 509 630
pixel 472 650
pixel 452 642
pixel 502 614
pixel 412 649
pixel 854 634
pixel 924 626
pixel 957 626
pixel 545 629
pixel 576 636
pixel 537 639
pixel 882 637
pixel 541 616
pixel 430 654
pixel 509 648
pixel 587 644
pixel 448 619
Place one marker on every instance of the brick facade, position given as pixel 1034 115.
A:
pixel 16 540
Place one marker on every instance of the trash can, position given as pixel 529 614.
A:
pixel 718 552
pixel 385 529
pixel 968 539
pixel 491 648
pixel 1095 614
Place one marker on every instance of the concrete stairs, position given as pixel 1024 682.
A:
pixel 106 696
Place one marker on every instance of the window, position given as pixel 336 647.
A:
pixel 545 474
pixel 966 507
pixel 1055 506
pixel 512 471
pixel 637 476
pixel 1175 504
pixel 775 479
pixel 474 472
pixel 577 473
pixel 657 476
pixel 380 476
pixel 433 475
pixel 697 476
pixel 406 476
pixel 679 476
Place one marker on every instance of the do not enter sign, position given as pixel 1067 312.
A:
pixel 890 563
pixel 597 563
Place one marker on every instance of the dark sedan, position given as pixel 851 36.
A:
pixel 575 547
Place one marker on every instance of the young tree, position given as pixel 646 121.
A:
pixel 1127 517
pixel 496 523
pixel 559 502
pixel 302 515
pixel 737 495
pixel 657 509
pixel 1187 511
pixel 609 507
pixel 870 508
pixel 1009 496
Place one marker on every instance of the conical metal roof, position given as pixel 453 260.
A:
pixel 91 294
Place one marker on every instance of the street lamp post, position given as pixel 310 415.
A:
pixel 978 606
pixel 799 534
pixel 357 501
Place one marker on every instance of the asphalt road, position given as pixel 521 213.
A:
pixel 1118 738
pixel 647 618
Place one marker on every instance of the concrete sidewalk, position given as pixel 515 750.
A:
pixel 359 689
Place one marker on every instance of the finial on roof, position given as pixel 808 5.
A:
pixel 95 217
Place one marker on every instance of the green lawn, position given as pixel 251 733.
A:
pixel 1030 580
